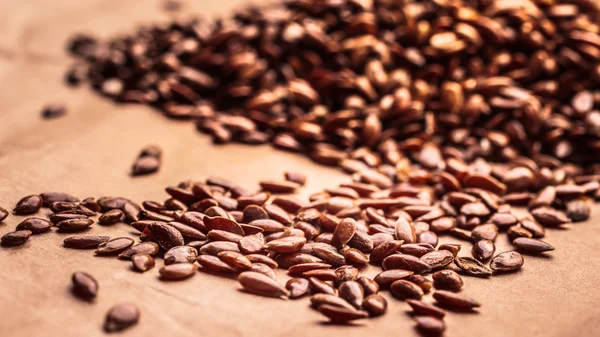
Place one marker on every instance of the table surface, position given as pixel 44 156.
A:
pixel 89 152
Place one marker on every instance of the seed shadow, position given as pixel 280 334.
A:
pixel 456 310
pixel 499 273
pixel 163 279
pixel 81 297
pixel 242 290
pixel 340 324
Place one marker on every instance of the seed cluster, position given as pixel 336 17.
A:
pixel 446 113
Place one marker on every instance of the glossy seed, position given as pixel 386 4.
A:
pixel 507 262
pixel 261 284
pixel 448 280
pixel 28 205
pixel 532 246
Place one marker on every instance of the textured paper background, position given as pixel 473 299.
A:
pixel 88 153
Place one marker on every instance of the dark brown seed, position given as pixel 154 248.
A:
pixel 352 292
pixel 15 238
pixel 447 279
pixel 422 308
pixel 111 217
pixel 279 186
pixel 3 214
pixel 406 262
pixel 295 177
pixel 471 266
pixel 35 225
pixel 224 224
pixel 181 254
pixel 430 325
pixel 507 262
pixel 166 236
pixel 91 204
pixel 341 315
pixel 73 225
pixel 121 317
pixel 329 255
pixel 483 250
pixel 84 241
pixel 578 210
pixel 131 211
pixel 261 284
pixel 532 246
pixel 114 246
pixel 187 231
pixel 54 110
pixel 268 225
pixel 51 197
pixel 375 305
pixel 28 205
pixel 386 277
pixel 178 271
pixel 438 259
pixel 142 262
pixel 297 287
pixel 404 289
pixel 149 248
pixel 416 249
pixel 454 300
pixel 84 285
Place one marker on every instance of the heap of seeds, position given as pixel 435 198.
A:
pixel 323 243
pixel 445 112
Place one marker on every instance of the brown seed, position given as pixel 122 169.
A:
pixel 317 300
pixel 214 264
pixel 121 317
pixel 145 165
pixel 142 262
pixel 51 197
pixel 3 214
pixel 404 289
pixel 257 258
pixel 343 232
pixel 218 235
pixel 301 268
pixel 430 325
pixel 84 285
pixel 15 238
pixel 224 224
pixel 475 209
pixel 405 231
pixel 288 244
pixel 181 254
pixel 114 246
pixel 35 225
pixel 454 300
pixel 214 248
pixel 352 292
pixel 268 225
pixel 295 177
pixel 177 271
pixel 236 260
pixel 423 282
pixel 406 262
pixel 532 246
pixel 166 236
pixel 438 259
pixel 484 232
pixel 533 227
pixel 297 287
pixel 261 284
pixel 252 244
pixel 341 315
pixel 28 205
pixel 355 256
pixel 329 255
pixel 111 217
pixel 263 269
pixel 149 248
pixel 375 305
pixel 186 231
pixel 447 279
pixel 388 276
pixel 578 210
pixel 422 308
pixel 416 249
pixel 320 286
pixel 451 247
pixel 483 250
pixel 384 250
pixel 73 225
pixel 507 262
pixel 84 241
pixel 472 267
pixel 550 217
pixel 279 186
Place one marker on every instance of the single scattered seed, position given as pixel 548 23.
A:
pixel 178 271
pixel 142 262
pixel 54 110
pixel 261 284
pixel 121 317
pixel 454 300
pixel 74 225
pixel 430 325
pixel 3 214
pixel 422 308
pixel 375 305
pixel 532 246
pixel 111 217
pixel 473 267
pixel 114 246
pixel 507 262
pixel 15 238
pixel 28 205
pixel 448 280
pixel 181 254
pixel 295 177
pixel 297 287
pixel 84 285
pixel 35 225
pixel 85 241
pixel 483 250
pixel 341 315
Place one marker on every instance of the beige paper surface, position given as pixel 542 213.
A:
pixel 89 152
